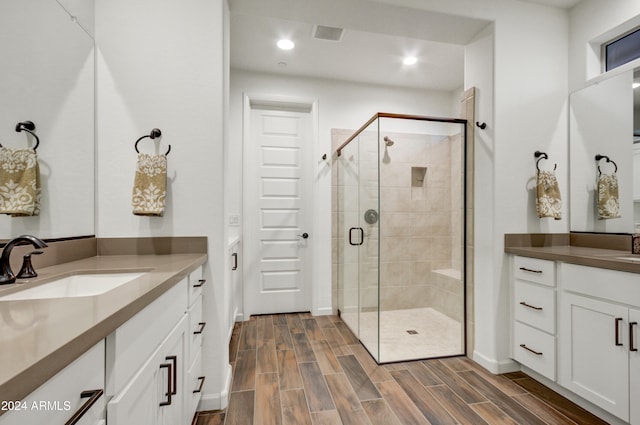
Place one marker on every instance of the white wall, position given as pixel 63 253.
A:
pixel 161 64
pixel 341 105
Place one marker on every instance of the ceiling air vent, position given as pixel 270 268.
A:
pixel 327 33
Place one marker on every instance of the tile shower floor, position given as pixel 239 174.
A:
pixel 437 334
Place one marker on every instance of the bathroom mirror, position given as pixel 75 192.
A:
pixel 48 78
pixel 601 121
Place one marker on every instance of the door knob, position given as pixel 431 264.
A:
pixel 304 235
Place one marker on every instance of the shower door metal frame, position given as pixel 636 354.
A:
pixel 464 123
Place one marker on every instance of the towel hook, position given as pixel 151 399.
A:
pixel 541 156
pixel 29 127
pixel 154 133
pixel 600 157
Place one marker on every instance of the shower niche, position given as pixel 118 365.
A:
pixel 401 277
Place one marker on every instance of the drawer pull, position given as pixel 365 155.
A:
pixel 537 353
pixel 174 360
pixel 530 306
pixel 93 396
pixel 524 269
pixel 200 283
pixel 168 393
pixel 235 261
pixel 199 390
pixel 199 331
pixel 618 320
pixel 632 346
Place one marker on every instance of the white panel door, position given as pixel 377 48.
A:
pixel 277 212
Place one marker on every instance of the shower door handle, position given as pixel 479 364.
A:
pixel 351 229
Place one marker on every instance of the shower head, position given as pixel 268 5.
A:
pixel 388 141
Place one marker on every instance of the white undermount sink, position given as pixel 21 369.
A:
pixel 77 285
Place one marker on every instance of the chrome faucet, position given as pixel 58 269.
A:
pixel 6 274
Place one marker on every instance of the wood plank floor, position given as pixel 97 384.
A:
pixel 295 369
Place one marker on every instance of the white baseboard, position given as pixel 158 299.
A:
pixel 217 401
pixel 323 311
pixel 494 366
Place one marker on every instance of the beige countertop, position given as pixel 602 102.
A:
pixel 40 337
pixel 595 257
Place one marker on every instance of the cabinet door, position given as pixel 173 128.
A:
pixel 634 365
pixel 593 352
pixel 174 354
pixel 145 399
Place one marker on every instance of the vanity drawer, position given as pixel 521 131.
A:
pixel 196 327
pixel 195 285
pixel 535 349
pixel 534 270
pixel 193 389
pixel 535 305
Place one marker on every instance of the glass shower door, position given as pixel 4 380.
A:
pixel 369 243
pixel 348 262
pixel 358 224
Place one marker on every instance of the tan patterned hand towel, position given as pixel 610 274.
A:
pixel 150 185
pixel 608 202
pixel 19 182
pixel 548 202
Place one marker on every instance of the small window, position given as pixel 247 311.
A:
pixel 622 50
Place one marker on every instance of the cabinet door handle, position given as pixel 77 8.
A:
pixel 168 393
pixel 200 283
pixel 537 353
pixel 93 396
pixel 235 261
pixel 632 346
pixel 199 331
pixel 618 320
pixel 174 387
pixel 524 269
pixel 199 390
pixel 530 306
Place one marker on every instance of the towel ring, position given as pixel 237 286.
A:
pixel 541 156
pixel 29 127
pixel 154 133
pixel 600 157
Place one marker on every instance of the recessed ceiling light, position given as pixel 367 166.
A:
pixel 410 60
pixel 286 44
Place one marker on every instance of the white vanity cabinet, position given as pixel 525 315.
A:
pixel 235 312
pixel 194 379
pixel 60 399
pixel 598 337
pixel 151 359
pixel 534 314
